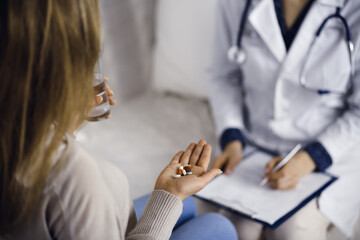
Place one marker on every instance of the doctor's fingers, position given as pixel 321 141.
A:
pixel 184 160
pixel 220 161
pixel 270 165
pixel 231 164
pixel 284 183
pixel 197 152
pixel 285 173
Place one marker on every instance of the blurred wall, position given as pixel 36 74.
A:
pixel 144 15
pixel 127 35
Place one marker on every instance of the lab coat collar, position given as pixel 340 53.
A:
pixel 299 48
pixel 334 3
pixel 263 19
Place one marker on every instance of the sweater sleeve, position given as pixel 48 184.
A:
pixel 92 201
pixel 159 217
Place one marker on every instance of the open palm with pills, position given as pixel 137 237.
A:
pixel 196 158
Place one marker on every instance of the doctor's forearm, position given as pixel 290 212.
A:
pixel 314 157
pixel 305 164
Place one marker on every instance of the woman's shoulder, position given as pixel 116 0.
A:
pixel 77 169
pixel 72 164
pixel 80 193
pixel 80 188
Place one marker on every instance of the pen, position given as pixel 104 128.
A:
pixel 286 159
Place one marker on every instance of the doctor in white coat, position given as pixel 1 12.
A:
pixel 282 89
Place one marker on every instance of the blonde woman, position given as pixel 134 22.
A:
pixel 49 187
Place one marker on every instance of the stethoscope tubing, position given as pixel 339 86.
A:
pixel 242 24
pixel 303 81
pixel 238 54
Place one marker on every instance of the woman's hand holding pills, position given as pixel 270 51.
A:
pixel 197 158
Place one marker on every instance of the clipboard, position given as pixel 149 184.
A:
pixel 224 192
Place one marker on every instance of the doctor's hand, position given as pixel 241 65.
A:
pixel 231 157
pixel 289 175
pixel 196 156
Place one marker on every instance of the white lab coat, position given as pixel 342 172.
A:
pixel 279 112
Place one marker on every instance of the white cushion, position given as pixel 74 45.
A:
pixel 184 30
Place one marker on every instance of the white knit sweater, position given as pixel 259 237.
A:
pixel 90 199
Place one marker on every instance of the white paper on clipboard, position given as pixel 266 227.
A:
pixel 241 191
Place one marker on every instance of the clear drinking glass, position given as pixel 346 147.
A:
pixel 102 110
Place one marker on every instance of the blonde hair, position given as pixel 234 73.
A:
pixel 48 49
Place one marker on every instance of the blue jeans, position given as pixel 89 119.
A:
pixel 209 226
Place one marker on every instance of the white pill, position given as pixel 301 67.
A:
pixel 189 173
pixel 176 176
pixel 181 167
pixel 183 172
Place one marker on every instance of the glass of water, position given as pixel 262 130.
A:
pixel 101 111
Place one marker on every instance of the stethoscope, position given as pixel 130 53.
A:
pixel 237 53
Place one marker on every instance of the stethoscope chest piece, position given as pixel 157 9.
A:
pixel 237 55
